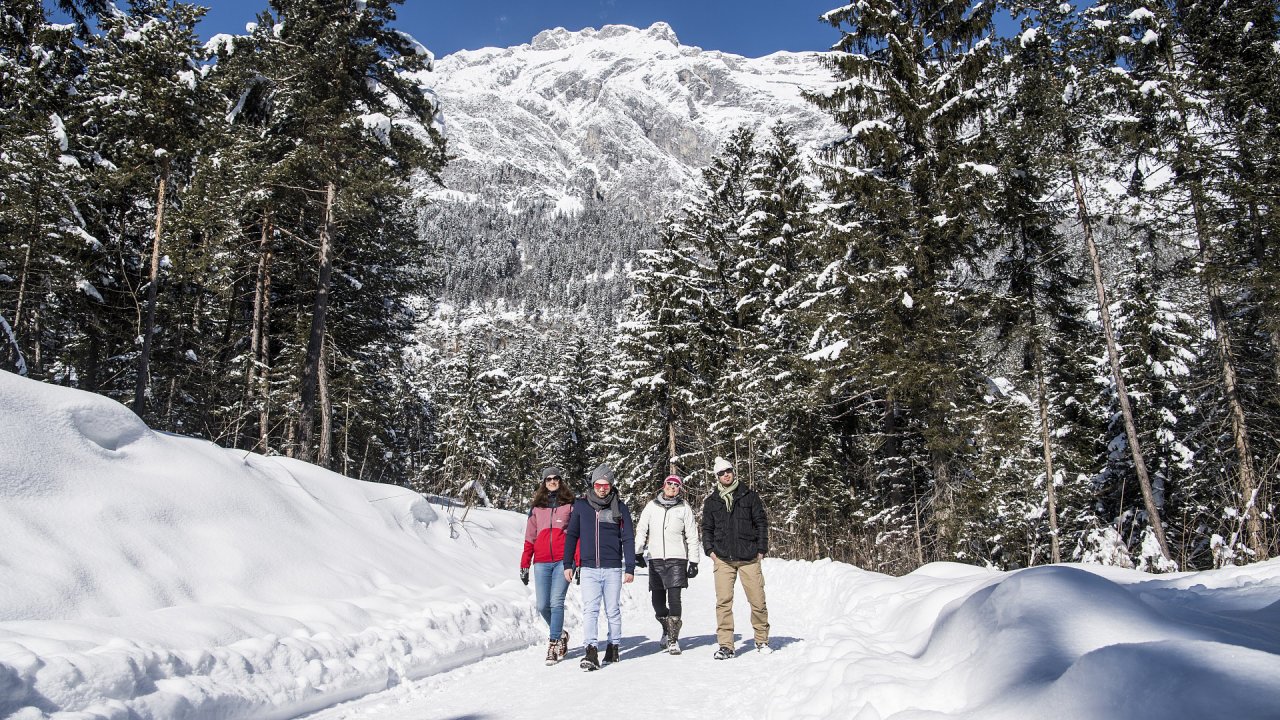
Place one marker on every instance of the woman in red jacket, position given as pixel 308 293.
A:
pixel 544 548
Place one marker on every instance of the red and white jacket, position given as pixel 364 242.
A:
pixel 544 534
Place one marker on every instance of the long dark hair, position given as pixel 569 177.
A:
pixel 542 497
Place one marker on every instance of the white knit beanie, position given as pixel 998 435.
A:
pixel 721 464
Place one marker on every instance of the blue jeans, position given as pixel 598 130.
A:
pixel 601 584
pixel 551 587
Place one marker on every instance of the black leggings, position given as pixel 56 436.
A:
pixel 666 601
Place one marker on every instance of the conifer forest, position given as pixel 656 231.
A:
pixel 1025 309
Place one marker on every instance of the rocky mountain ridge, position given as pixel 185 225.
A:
pixel 619 115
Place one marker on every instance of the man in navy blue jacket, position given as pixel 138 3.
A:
pixel 600 532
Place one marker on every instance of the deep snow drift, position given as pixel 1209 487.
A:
pixel 153 576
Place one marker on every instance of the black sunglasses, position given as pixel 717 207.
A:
pixel 724 472
pixel 549 478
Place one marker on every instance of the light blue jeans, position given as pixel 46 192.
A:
pixel 550 588
pixel 601 584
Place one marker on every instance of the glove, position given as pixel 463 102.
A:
pixel 693 570
pixel 524 575
pixel 639 561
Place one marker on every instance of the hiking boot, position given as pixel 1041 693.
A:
pixel 724 653
pixel 553 652
pixel 611 653
pixel 562 645
pixel 592 659
pixel 763 648
pixel 673 639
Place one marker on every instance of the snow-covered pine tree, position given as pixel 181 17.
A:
pixel 467 426
pixel 724 244
pixel 47 286
pixel 652 427
pixel 908 185
pixel 1038 305
pixel 1179 154
pixel 338 92
pixel 796 467
pixel 142 116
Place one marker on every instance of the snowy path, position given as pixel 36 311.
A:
pixel 645 683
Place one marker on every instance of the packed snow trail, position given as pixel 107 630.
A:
pixel 644 683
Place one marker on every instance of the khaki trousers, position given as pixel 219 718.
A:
pixel 726 572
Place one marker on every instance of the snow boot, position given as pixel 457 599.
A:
pixel 611 653
pixel 673 630
pixel 664 621
pixel 724 653
pixel 553 652
pixel 763 648
pixel 562 645
pixel 592 659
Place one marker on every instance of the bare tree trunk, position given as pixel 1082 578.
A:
pixel 1275 352
pixel 22 287
pixel 1226 362
pixel 671 442
pixel 346 436
pixel 148 326
pixel 1046 440
pixel 255 330
pixel 315 342
pixel 264 353
pixel 1122 394
pixel 324 456
pixel 943 500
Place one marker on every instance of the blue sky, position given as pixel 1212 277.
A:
pixel 744 27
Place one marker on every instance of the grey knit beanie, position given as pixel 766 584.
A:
pixel 551 470
pixel 602 473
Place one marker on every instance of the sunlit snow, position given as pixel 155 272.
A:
pixel 146 575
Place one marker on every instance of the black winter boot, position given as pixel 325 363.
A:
pixel 592 659
pixel 611 653
pixel 673 629
pixel 664 621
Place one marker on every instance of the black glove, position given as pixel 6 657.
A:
pixel 524 575
pixel 639 561
pixel 693 570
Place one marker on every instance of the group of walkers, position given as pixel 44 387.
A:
pixel 591 538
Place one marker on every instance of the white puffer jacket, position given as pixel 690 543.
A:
pixel 669 533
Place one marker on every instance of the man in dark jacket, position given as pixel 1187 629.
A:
pixel 735 533
pixel 600 531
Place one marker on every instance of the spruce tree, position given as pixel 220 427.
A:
pixel 907 185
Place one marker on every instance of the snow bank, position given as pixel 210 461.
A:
pixel 1068 641
pixel 147 575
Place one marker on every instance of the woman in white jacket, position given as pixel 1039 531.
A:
pixel 667 529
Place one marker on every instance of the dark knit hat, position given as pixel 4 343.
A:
pixel 549 471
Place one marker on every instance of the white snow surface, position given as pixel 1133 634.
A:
pixel 146 575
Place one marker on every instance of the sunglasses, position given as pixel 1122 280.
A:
pixel 553 478
pixel 673 484
pixel 722 473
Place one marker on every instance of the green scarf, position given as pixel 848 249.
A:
pixel 726 494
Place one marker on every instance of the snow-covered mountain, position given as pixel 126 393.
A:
pixel 619 114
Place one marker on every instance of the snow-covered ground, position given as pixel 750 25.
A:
pixel 145 575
